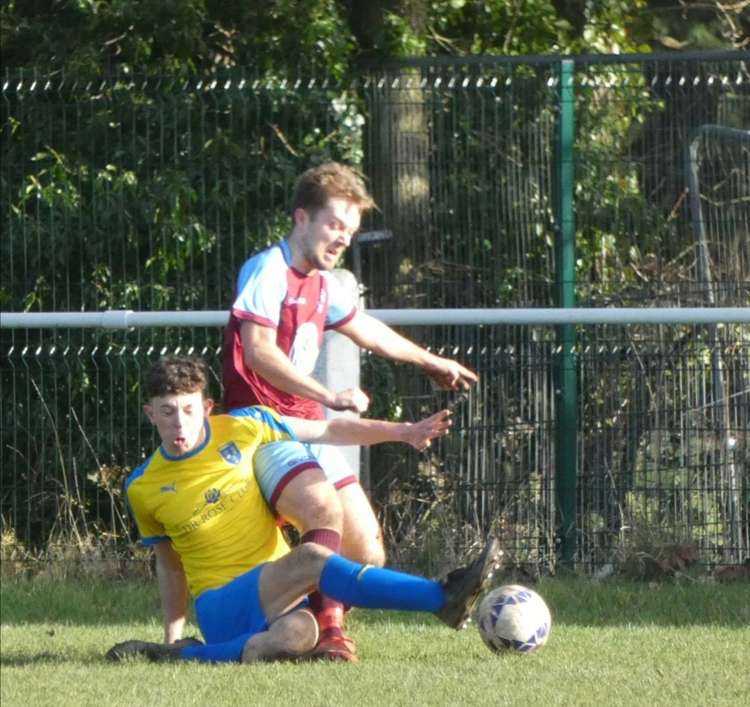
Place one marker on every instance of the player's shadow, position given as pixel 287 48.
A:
pixel 33 659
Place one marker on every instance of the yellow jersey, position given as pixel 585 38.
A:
pixel 208 503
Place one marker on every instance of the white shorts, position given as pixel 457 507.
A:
pixel 277 463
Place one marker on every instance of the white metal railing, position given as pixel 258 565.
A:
pixel 126 318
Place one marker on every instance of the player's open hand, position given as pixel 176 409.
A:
pixel 420 434
pixel 450 375
pixel 353 399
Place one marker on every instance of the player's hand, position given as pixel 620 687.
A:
pixel 420 434
pixel 450 375
pixel 353 399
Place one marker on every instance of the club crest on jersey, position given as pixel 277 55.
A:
pixel 231 453
pixel 212 495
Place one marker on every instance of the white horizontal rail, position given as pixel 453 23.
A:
pixel 125 318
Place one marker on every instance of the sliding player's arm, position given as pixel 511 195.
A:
pixel 352 430
pixel 172 590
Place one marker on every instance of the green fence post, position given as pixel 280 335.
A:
pixel 566 384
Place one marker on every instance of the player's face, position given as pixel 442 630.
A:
pixel 328 234
pixel 179 420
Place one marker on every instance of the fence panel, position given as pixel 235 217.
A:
pixel 148 194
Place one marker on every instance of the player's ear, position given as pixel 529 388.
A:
pixel 208 405
pixel 149 412
pixel 301 217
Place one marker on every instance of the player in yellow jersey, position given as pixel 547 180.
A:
pixel 197 502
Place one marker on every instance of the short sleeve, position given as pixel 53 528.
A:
pixel 150 530
pixel 342 301
pixel 269 423
pixel 261 289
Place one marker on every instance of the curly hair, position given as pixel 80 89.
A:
pixel 173 375
pixel 328 181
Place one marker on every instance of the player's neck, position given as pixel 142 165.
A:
pixel 298 260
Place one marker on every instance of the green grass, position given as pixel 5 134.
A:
pixel 611 644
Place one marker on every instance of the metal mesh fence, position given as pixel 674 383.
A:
pixel 72 433
pixel 660 458
pixel 469 203
pixel 481 225
pixel 148 194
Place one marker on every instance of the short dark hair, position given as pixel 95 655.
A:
pixel 327 181
pixel 174 375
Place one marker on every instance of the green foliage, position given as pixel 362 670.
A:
pixel 378 376
pixel 87 38
pixel 399 39
pixel 535 27
pixel 194 182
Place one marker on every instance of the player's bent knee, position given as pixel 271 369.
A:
pixel 310 505
pixel 373 554
pixel 309 558
pixel 367 549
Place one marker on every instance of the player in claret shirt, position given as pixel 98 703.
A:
pixel 285 298
pixel 196 500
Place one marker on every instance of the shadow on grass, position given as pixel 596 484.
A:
pixel 572 600
pixel 21 661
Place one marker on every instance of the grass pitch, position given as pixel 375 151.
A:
pixel 611 644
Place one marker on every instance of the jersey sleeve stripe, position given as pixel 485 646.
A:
pixel 250 317
pixel 292 474
pixel 342 321
pixel 135 474
pixel 267 416
pixel 155 540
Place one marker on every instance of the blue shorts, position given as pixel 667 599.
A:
pixel 233 610
pixel 227 612
pixel 277 463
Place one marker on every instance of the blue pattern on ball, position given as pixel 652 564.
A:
pixel 489 622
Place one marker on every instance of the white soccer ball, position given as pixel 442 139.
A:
pixel 514 618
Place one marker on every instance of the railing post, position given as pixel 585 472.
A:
pixel 338 368
pixel 566 383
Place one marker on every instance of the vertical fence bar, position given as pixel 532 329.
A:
pixel 566 374
pixel 726 470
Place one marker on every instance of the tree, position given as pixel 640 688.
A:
pixel 201 35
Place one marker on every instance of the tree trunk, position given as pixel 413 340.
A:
pixel 396 156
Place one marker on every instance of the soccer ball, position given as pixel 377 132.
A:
pixel 514 618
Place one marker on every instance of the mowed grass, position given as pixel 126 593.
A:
pixel 611 644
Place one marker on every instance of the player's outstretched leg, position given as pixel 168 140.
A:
pixel 379 588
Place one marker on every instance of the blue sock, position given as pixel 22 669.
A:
pixel 378 588
pixel 227 652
